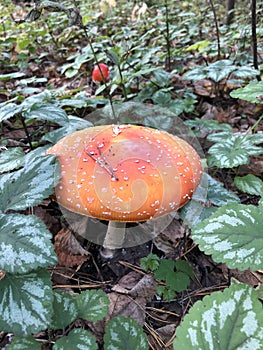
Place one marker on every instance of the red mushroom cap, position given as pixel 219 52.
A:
pixel 96 74
pixel 125 172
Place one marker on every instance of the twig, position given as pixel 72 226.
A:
pixel 254 35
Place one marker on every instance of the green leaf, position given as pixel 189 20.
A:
pixel 219 136
pixel 25 302
pixel 233 235
pixel 253 92
pixel 209 125
pixel 11 159
pixel 150 262
pixel 227 320
pixel 199 45
pixel 245 72
pixel 28 186
pixel 47 111
pixel 9 110
pixel 164 120
pixel 236 150
pixel 209 191
pixel 166 267
pixel 250 184
pixel 77 339
pixel 178 281
pixel 220 70
pixel 25 244
pixel 124 333
pixel 65 310
pixel 9 76
pixel 21 343
pixel 217 194
pixel 74 124
pixel 184 266
pixel 93 305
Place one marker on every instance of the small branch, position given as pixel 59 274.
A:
pixel 254 35
pixel 26 131
pixel 217 29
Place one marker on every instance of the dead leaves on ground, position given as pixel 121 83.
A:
pixel 68 249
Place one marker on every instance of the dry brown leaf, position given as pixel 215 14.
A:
pixel 167 240
pixel 165 334
pixel 131 295
pixel 248 277
pixel 69 250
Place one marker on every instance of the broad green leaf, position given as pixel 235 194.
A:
pixel 161 77
pixel 209 125
pixel 236 150
pixel 199 45
pixel 213 191
pixel 25 244
pixel 25 302
pixel 77 339
pixel 11 159
pixel 245 72
pixel 250 184
pixel 92 305
pixel 124 333
pixel 228 320
pixel 74 124
pixel 219 136
pixel 65 310
pixel 22 343
pixel 233 235
pixel 194 212
pixel 28 186
pixel 209 191
pixel 9 110
pixel 220 70
pixel 165 267
pixel 178 281
pixel 253 92
pixel 184 266
pixel 10 76
pixel 47 111
pixel 165 121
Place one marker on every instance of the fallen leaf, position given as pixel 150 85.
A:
pixel 69 251
pixel 130 296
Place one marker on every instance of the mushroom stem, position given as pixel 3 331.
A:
pixel 114 238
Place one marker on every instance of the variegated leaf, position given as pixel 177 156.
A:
pixel 124 333
pixel 25 343
pixel 25 302
pixel 233 235
pixel 250 184
pixel 227 320
pixel 77 339
pixel 93 305
pixel 25 244
pixel 11 159
pixel 65 310
pixel 28 186
pixel 234 151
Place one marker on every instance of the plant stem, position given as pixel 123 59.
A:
pixel 217 29
pixel 254 35
pixel 26 132
pixel 167 37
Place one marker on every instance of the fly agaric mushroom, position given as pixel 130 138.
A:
pixel 100 73
pixel 125 173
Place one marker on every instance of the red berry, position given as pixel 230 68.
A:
pixel 96 75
